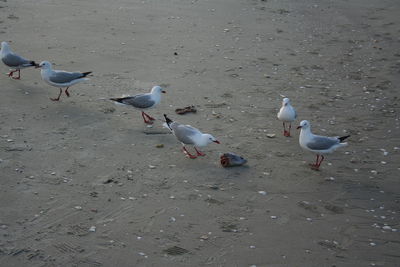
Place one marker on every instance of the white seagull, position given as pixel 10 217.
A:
pixel 318 144
pixel 60 78
pixel 14 61
pixel 143 101
pixel 189 135
pixel 287 114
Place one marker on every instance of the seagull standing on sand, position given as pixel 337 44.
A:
pixel 60 78
pixel 143 101
pixel 189 135
pixel 287 114
pixel 317 144
pixel 14 61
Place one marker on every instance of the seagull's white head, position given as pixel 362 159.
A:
pixel 45 65
pixel 304 125
pixel 5 46
pixel 209 139
pixel 157 89
pixel 285 101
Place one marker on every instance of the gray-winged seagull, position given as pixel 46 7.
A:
pixel 189 135
pixel 143 101
pixel 317 144
pixel 14 61
pixel 287 114
pixel 60 78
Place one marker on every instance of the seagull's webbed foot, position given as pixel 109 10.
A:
pixel 57 98
pixel 314 167
pixel 188 153
pixel 286 133
pixel 199 153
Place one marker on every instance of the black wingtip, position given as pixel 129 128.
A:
pixel 86 73
pixel 343 138
pixel 34 64
pixel 119 100
pixel 167 120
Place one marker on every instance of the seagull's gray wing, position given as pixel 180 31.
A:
pixel 13 60
pixel 138 101
pixel 64 76
pixel 184 133
pixel 322 142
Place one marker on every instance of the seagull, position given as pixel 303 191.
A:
pixel 61 78
pixel 318 144
pixel 287 114
pixel 143 101
pixel 189 135
pixel 14 61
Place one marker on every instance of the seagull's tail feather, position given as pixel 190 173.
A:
pixel 86 73
pixel 343 138
pixel 168 121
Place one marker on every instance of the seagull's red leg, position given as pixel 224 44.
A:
pixel 149 117
pixel 58 98
pixel 319 164
pixel 19 75
pixel 285 133
pixel 66 91
pixel 11 73
pixel 188 154
pixel 145 119
pixel 290 127
pixel 199 153
pixel 315 165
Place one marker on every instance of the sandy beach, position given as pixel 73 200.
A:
pixel 84 182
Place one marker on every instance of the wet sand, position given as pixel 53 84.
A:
pixel 85 183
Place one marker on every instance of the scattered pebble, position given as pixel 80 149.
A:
pixel 273 217
pixel 271 135
pixel 204 237
pixel 78 207
pixel 92 229
pixel 262 193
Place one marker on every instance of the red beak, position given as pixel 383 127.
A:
pixel 298 127
pixel 216 141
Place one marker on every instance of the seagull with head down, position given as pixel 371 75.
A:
pixel 189 135
pixel 14 61
pixel 317 144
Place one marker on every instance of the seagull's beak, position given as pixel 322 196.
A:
pixel 37 66
pixel 298 127
pixel 163 92
pixel 216 141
